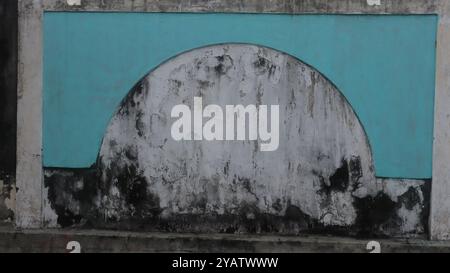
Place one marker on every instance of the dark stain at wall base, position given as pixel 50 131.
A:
pixel 374 212
pixel 75 196
pixel 8 106
pixel 380 215
pixel 7 193
pixel 8 84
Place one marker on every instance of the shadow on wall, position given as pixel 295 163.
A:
pixel 319 180
pixel 8 102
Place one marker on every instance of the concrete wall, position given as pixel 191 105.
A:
pixel 8 107
pixel 340 194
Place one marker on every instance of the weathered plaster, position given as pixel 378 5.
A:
pixel 320 135
pixel 29 174
pixel 440 197
pixel 29 116
pixel 399 208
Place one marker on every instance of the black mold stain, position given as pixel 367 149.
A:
pixel 340 180
pixel 355 168
pixel 410 198
pixel 8 86
pixel 263 65
pixel 295 214
pixel 277 205
pixel 67 218
pixel 377 216
pixel 204 84
pixel 425 212
pixel 373 213
pixel 72 194
pixel 8 104
pixel 6 214
pixel 348 173
pixel 75 194
pixel 131 153
pixel 226 169
pixel 246 184
pixel 128 104
pixel 140 126
pixel 134 189
pixel 225 64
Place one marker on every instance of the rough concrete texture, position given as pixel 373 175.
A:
pixel 55 241
pixel 29 175
pixel 278 6
pixel 320 179
pixel 8 109
pixel 440 207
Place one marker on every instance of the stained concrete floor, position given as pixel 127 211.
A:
pixel 12 240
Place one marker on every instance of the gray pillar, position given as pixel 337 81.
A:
pixel 440 193
pixel 29 116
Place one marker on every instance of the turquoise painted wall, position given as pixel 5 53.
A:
pixel 384 65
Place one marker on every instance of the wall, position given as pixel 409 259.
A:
pixel 8 107
pixel 323 179
pixel 409 194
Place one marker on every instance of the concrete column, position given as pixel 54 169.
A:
pixel 440 195
pixel 29 116
pixel 440 199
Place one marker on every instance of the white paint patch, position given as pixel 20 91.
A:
pixel 50 218
pixel 374 2
pixel 74 2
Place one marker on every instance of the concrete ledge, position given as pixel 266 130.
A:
pixel 249 6
pixel 114 241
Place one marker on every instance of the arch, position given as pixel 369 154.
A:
pixel 247 44
pixel 324 158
